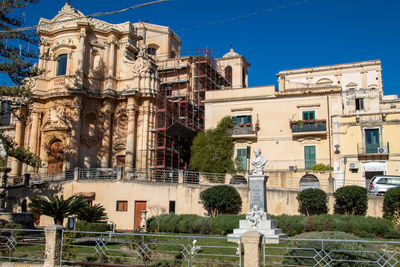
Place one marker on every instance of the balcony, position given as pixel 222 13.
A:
pixel 373 151
pixel 243 131
pixel 306 128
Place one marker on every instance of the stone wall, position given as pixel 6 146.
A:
pixel 159 195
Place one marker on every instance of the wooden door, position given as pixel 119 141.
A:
pixel 56 157
pixel 139 206
pixel 121 161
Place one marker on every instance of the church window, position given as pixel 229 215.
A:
pixel 228 74
pixel 62 65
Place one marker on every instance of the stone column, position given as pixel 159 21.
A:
pixel 106 140
pixel 252 248
pixel 111 64
pixel 81 55
pixel 19 135
pixel 130 138
pixel 142 149
pixel 75 132
pixel 53 245
pixel 33 138
pixel 281 81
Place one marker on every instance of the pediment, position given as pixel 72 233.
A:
pixel 50 125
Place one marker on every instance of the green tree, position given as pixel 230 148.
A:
pixel 312 201
pixel 56 207
pixel 95 213
pixel 351 200
pixel 212 150
pixel 391 205
pixel 221 199
pixel 16 62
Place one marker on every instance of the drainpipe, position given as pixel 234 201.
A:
pixel 329 131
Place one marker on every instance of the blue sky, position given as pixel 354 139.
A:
pixel 294 34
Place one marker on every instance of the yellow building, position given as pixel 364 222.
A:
pixel 302 124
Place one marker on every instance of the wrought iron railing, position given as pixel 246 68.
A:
pixel 22 245
pixel 329 252
pixel 242 129
pixel 382 148
pixel 308 126
pixel 83 248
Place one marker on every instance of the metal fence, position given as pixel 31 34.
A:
pixel 97 174
pixel 330 252
pixel 83 248
pixel 22 245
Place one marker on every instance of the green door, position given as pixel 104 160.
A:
pixel 241 159
pixel 372 140
pixel 309 157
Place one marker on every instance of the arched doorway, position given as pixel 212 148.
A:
pixel 56 157
pixel 308 181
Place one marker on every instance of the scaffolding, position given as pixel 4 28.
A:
pixel 180 105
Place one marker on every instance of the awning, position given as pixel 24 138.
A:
pixel 374 166
pixel 85 194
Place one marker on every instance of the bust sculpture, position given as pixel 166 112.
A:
pixel 258 163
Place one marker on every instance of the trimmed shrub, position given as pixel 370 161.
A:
pixel 312 202
pixel 92 227
pixel 224 224
pixel 391 205
pixel 221 199
pixel 290 225
pixel 351 200
pixel 304 252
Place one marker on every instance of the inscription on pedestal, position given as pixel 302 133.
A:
pixel 257 192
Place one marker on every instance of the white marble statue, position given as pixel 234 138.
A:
pixel 255 216
pixel 3 152
pixel 258 163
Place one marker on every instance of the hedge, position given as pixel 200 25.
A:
pixel 364 227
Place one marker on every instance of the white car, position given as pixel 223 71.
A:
pixel 380 184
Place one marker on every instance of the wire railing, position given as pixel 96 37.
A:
pixel 22 245
pixel 329 252
pixel 83 248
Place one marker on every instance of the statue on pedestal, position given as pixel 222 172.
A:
pixel 258 163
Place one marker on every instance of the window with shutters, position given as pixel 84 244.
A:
pixel 309 157
pixel 122 205
pixel 241 159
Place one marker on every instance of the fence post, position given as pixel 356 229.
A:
pixel 76 174
pixel 252 247
pixel 181 176
pixel 120 173
pixel 53 245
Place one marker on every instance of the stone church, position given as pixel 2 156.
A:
pixel 117 95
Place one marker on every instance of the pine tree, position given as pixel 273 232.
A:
pixel 17 56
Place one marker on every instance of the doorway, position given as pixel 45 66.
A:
pixel 56 157
pixel 139 206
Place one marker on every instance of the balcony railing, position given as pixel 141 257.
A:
pixel 243 129
pixel 373 150
pixel 308 126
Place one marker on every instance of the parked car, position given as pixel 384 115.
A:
pixel 380 184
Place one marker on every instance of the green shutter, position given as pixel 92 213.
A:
pixel 309 157
pixel 234 120
pixel 241 158
pixel 248 119
pixel 308 115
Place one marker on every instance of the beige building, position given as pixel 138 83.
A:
pixel 307 121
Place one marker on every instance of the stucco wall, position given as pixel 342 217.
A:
pixel 158 195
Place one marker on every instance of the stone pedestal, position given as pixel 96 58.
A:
pixel 53 245
pixel 258 219
pixel 252 248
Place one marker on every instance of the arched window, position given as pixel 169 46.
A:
pixel 308 181
pixel 5 114
pixel 62 65
pixel 228 74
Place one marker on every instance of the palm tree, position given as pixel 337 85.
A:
pixel 95 213
pixel 56 207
